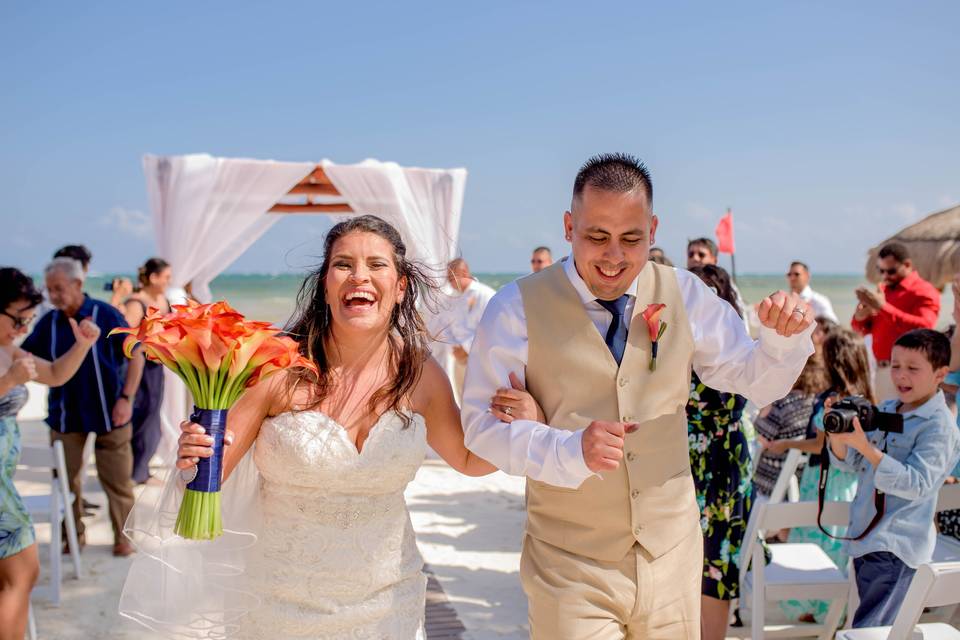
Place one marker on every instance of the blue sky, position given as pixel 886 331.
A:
pixel 825 126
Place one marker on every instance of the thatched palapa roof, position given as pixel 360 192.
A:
pixel 934 246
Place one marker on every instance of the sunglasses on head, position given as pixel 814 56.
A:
pixel 18 322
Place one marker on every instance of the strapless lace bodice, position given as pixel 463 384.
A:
pixel 337 556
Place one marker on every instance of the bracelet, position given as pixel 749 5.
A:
pixel 188 475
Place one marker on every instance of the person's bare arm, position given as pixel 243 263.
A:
pixel 59 372
pixel 434 400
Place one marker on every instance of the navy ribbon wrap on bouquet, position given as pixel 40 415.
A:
pixel 210 470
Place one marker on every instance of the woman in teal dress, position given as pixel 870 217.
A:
pixel 720 463
pixel 845 359
pixel 19 565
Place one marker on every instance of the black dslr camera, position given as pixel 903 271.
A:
pixel 839 419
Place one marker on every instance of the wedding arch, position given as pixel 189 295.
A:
pixel 207 211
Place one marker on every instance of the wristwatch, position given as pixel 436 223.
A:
pixel 127 397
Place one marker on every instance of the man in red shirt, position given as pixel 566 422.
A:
pixel 903 302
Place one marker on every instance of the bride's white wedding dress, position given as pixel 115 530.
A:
pixel 338 558
pixel 335 554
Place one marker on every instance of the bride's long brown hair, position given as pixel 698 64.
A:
pixel 408 348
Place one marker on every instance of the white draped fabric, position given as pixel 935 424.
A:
pixel 207 211
pixel 423 204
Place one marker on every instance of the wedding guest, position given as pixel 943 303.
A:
pixel 703 251
pixel 720 462
pixel 78 252
pixel 786 419
pixel 153 278
pixel 460 310
pixel 798 277
pixel 948 522
pixel 98 399
pixel 19 565
pixel 658 256
pixel 903 301
pixel 848 372
pixel 908 470
pixel 540 259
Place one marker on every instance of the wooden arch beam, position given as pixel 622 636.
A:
pixel 315 184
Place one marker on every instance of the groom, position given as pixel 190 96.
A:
pixel 613 547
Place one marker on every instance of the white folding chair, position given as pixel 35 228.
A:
pixel 933 585
pixel 54 508
pixel 31 624
pixel 786 485
pixel 796 571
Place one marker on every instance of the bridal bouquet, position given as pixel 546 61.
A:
pixel 218 354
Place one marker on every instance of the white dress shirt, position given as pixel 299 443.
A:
pixel 819 302
pixel 458 315
pixel 725 358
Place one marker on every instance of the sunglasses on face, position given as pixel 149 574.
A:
pixel 697 254
pixel 794 274
pixel 18 322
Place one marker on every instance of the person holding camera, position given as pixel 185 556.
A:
pixel 901 464
pixel 848 371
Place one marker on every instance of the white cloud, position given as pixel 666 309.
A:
pixel 130 221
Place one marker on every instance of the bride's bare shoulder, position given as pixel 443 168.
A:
pixel 433 380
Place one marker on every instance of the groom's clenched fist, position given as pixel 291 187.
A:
pixel 603 444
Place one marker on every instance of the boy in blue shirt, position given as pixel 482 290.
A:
pixel 908 468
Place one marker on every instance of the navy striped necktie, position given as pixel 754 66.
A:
pixel 616 337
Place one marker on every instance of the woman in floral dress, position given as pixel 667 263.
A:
pixel 720 462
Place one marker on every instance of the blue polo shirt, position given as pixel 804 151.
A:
pixel 85 403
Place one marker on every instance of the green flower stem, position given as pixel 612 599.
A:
pixel 199 516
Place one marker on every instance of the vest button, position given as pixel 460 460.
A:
pixel 631 456
pixel 626 418
pixel 623 381
pixel 635 494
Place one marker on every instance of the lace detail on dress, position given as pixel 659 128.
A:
pixel 337 556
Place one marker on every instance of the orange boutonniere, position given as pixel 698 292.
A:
pixel 655 327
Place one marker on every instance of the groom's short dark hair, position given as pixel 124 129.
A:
pixel 618 172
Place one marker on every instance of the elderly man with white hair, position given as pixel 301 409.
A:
pixel 99 397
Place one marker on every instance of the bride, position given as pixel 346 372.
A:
pixel 335 554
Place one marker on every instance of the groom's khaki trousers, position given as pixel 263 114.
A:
pixel 572 597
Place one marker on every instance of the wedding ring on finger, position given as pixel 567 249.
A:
pixel 508 411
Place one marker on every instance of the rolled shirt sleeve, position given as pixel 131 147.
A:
pixel 922 473
pixel 523 447
pixel 728 359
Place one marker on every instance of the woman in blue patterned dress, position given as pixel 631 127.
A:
pixel 19 565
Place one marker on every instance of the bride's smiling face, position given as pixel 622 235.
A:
pixel 362 284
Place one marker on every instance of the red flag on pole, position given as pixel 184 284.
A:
pixel 724 233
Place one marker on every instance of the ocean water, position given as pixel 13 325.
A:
pixel 272 297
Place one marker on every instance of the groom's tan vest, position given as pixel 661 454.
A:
pixel 570 371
